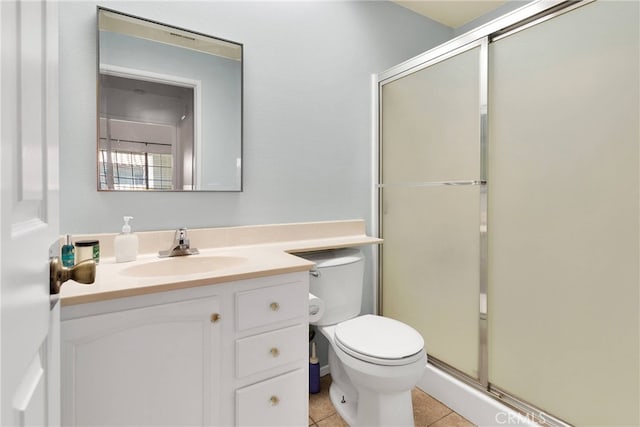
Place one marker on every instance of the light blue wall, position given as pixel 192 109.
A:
pixel 307 114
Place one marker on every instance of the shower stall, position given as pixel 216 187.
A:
pixel 508 195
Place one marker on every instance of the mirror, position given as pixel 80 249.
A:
pixel 170 108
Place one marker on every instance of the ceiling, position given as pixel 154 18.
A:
pixel 452 13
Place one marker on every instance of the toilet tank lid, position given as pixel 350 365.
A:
pixel 333 257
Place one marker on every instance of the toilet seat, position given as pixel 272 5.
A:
pixel 379 340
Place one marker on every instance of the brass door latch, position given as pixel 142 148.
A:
pixel 83 272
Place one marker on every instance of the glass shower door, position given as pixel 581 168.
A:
pixel 563 214
pixel 509 204
pixel 430 195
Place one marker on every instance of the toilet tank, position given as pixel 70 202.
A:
pixel 337 280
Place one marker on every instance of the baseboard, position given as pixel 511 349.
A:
pixel 472 404
pixel 324 370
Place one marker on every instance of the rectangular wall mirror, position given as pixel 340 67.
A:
pixel 170 108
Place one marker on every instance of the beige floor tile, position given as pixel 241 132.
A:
pixel 452 420
pixel 334 420
pixel 426 409
pixel 320 406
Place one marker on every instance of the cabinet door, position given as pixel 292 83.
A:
pixel 156 365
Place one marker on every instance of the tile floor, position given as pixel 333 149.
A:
pixel 427 411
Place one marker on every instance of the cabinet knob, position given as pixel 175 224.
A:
pixel 274 306
pixel 274 400
pixel 215 317
pixel 275 352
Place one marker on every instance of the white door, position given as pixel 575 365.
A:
pixel 29 367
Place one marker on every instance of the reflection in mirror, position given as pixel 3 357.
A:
pixel 170 110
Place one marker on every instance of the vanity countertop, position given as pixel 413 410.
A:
pixel 265 250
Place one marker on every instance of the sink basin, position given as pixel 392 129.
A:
pixel 184 265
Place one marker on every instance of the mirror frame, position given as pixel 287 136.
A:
pixel 98 110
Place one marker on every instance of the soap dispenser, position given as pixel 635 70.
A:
pixel 125 244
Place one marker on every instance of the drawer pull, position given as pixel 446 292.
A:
pixel 274 306
pixel 275 352
pixel 274 400
pixel 215 317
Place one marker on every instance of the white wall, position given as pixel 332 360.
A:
pixel 307 124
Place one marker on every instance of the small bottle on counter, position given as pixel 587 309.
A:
pixel 67 254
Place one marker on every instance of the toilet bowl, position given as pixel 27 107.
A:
pixel 374 361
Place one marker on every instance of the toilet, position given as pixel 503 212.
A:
pixel 375 361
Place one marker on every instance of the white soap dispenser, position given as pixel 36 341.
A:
pixel 125 244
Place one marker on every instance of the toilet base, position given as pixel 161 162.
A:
pixel 383 410
pixel 376 410
pixel 346 407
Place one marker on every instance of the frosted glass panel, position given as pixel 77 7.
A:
pixel 430 268
pixel 431 123
pixel 563 215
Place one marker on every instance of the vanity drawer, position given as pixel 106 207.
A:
pixel 271 349
pixel 261 307
pixel 280 401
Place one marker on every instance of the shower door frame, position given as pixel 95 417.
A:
pixel 529 15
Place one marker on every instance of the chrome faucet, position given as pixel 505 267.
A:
pixel 180 246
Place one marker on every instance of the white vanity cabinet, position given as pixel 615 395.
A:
pixel 216 355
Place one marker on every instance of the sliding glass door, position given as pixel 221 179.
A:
pixel 515 248
pixel 563 204
pixel 430 198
